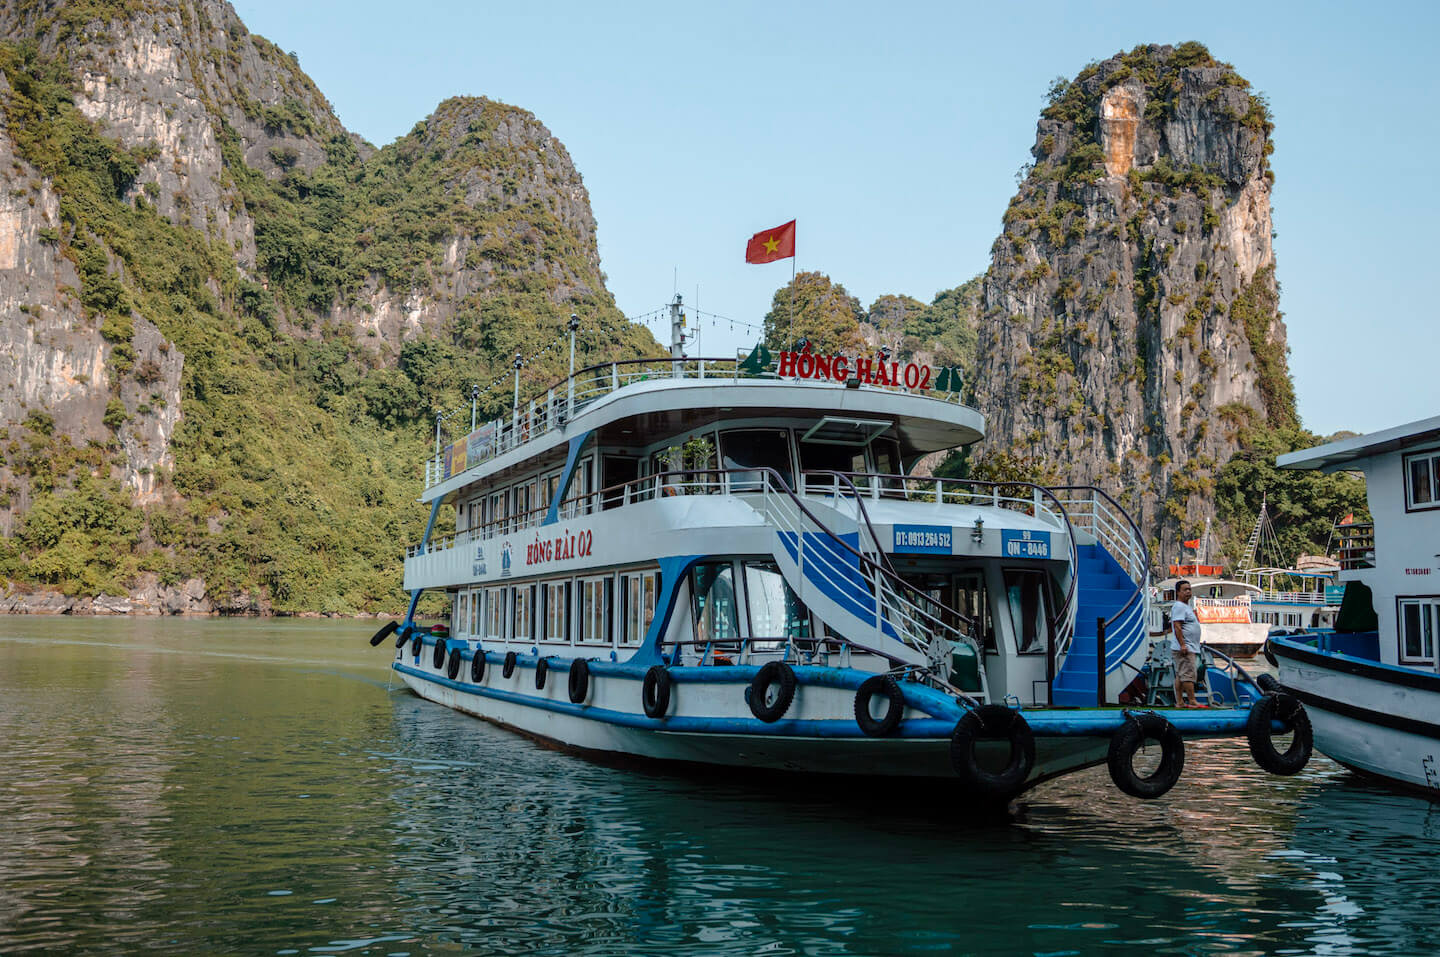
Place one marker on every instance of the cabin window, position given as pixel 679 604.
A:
pixel 824 457
pixel 522 599
pixel 1419 622
pixel 639 592
pixel 582 483
pixel 1422 481
pixel 557 610
pixel 618 471
pixel 549 484
pixel 712 594
pixel 886 453
pixel 972 602
pixel 1025 595
pixel 755 449
pixel 495 618
pixel 497 512
pixel 524 501
pixel 776 612
pixel 595 602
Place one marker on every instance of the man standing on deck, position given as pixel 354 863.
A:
pixel 1184 646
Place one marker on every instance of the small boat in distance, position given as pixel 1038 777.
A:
pixel 1224 606
pixel 1304 595
pixel 1371 685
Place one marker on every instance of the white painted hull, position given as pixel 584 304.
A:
pixel 1369 717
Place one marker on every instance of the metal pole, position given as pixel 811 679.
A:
pixel 1100 662
pixel 474 396
pixel 515 402
pixel 570 385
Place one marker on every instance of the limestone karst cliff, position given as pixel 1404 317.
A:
pixel 1129 324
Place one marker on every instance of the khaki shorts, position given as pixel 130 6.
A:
pixel 1184 666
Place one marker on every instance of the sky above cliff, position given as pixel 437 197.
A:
pixel 893 134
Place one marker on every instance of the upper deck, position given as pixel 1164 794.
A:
pixel 639 402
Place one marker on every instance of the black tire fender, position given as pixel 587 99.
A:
pixel 452 669
pixel 1268 683
pixel 579 684
pixel 888 688
pixel 477 666
pixel 508 669
pixel 655 692
pixel 1286 709
pixel 782 677
pixel 416 644
pixel 402 636
pixel 993 722
pixel 1269 655
pixel 438 659
pixel 542 669
pixel 1129 738
pixel 386 630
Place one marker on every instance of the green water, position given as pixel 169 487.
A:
pixel 256 787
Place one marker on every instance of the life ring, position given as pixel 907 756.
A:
pixel 388 629
pixel 477 666
pixel 775 675
pixel 402 636
pixel 415 645
pixel 438 658
pixel 887 687
pixel 509 667
pixel 993 722
pixel 1128 738
pixel 655 692
pixel 1267 683
pixel 542 668
pixel 1289 711
pixel 579 680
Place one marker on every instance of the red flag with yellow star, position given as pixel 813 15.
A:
pixel 768 245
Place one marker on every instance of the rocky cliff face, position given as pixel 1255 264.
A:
pixel 1129 323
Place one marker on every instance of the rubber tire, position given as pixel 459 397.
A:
pixel 1269 655
pixel 888 687
pixel 542 668
pixel 655 692
pixel 509 667
pixel 1287 709
pixel 402 636
pixel 1128 738
pixel 477 666
pixel 386 630
pixel 992 722
pixel 452 667
pixel 770 673
pixel 438 659
pixel 579 683
pixel 416 644
pixel 1268 683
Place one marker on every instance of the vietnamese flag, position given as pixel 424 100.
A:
pixel 1192 543
pixel 768 245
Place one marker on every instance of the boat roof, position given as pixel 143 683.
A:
pixel 1197 583
pixel 1334 455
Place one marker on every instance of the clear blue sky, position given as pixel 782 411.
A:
pixel 893 132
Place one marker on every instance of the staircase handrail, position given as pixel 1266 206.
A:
pixel 860 507
pixel 1136 538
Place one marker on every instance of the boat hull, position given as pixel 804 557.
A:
pixel 1378 719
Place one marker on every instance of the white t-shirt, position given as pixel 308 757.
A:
pixel 1189 627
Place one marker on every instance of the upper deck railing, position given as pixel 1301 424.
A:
pixel 557 404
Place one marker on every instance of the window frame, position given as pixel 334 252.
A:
pixel 1426 455
pixel 1429 605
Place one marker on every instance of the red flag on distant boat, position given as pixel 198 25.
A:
pixel 1192 543
pixel 769 245
pixel 1348 519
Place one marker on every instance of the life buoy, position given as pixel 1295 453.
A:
pixel 415 645
pixel 438 658
pixel 477 666
pixel 508 668
pixel 1268 683
pixel 655 692
pixel 1288 711
pixel 579 680
pixel 542 668
pixel 388 629
pixel 1128 739
pixel 402 636
pixel 776 677
pixel 993 722
pixel 887 687
pixel 453 668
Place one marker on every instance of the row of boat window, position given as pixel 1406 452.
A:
pixel 523 503
pixel 612 609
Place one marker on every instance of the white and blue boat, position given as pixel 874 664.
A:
pixel 727 563
pixel 1370 685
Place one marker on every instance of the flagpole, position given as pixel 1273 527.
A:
pixel 793 257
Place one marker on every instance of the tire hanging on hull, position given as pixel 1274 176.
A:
pixel 579 683
pixel 762 705
pixel 655 692
pixel 1286 709
pixel 1129 738
pixel 888 688
pixel 386 630
pixel 452 669
pixel 993 722
pixel 477 666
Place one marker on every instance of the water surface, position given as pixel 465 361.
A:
pixel 180 786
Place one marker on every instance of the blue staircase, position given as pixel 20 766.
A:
pixel 1101 590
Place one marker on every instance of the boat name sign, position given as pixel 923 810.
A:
pixel 1024 543
pixel 567 544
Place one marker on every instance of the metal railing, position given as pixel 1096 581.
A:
pixel 561 401
pixel 1094 511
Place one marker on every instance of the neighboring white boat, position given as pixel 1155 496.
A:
pixel 1371 686
pixel 729 563
pixel 1304 596
pixel 1225 608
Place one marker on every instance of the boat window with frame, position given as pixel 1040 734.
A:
pixel 1422 481
pixel 825 457
pixel 777 614
pixel 595 598
pixel 639 591
pixel 524 501
pixel 1025 595
pixel 755 449
pixel 582 483
pixel 499 512
pixel 557 610
pixel 522 604
pixel 619 470
pixel 972 601
pixel 713 602
pixel 495 618
pixel 1419 620
pixel 457 613
pixel 473 626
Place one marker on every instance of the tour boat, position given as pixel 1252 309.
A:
pixel 734 563
pixel 1224 607
pixel 1371 686
pixel 1301 596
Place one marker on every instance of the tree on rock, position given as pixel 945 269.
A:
pixel 824 313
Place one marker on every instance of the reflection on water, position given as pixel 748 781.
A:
pixel 254 787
